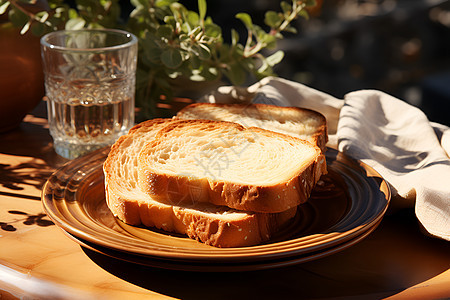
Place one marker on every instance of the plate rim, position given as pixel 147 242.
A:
pixel 196 266
pixel 214 254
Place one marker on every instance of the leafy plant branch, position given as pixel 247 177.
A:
pixel 174 42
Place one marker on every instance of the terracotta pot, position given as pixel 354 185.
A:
pixel 21 75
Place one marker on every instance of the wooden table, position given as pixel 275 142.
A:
pixel 37 261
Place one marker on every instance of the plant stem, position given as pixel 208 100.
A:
pixel 295 11
pixel 30 15
pixel 250 50
pixel 19 7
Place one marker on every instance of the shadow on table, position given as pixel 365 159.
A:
pixel 394 257
pixel 36 160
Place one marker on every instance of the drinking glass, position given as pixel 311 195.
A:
pixel 90 86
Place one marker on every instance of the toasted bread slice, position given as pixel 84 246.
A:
pixel 298 122
pixel 214 225
pixel 224 163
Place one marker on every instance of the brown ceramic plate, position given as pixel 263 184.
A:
pixel 345 206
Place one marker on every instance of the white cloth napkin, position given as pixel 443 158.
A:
pixel 393 137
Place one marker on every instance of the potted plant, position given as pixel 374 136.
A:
pixel 175 44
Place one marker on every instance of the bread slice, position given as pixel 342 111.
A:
pixel 298 122
pixel 224 163
pixel 214 225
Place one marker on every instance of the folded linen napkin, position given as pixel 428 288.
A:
pixel 393 137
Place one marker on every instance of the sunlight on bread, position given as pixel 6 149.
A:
pixel 220 183
pixel 227 164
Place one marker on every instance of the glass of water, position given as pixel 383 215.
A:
pixel 90 86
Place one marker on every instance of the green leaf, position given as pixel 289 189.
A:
pixel 249 63
pixel 171 58
pixel 264 67
pixel 83 4
pixel 202 9
pixel 37 29
pixel 290 29
pixel 184 38
pixel 73 14
pixel 139 3
pixel 170 20
pixel 4 7
pixel 195 31
pixel 75 24
pixel 280 36
pixel 259 32
pixel 185 27
pixel 272 19
pixel 208 20
pixel 203 51
pixel 179 10
pixel 303 13
pixel 234 37
pixel 236 74
pixel 286 7
pixel 246 19
pixel 25 27
pixel 275 58
pixel 42 16
pixel 193 18
pixel 213 30
pixel 269 40
pixel 223 52
pixel 237 51
pixel 17 18
pixel 162 3
pixel 165 31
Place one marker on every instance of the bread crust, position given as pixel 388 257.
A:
pixel 275 198
pixel 253 229
pixel 199 222
pixel 319 137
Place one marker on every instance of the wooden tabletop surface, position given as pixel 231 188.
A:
pixel 38 261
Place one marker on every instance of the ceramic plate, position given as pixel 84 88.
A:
pixel 346 205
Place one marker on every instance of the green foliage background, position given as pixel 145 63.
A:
pixel 174 42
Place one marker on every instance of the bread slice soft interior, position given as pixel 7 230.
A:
pixel 298 122
pixel 224 163
pixel 217 226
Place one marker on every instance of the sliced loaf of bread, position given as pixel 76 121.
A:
pixel 224 163
pixel 298 122
pixel 214 225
